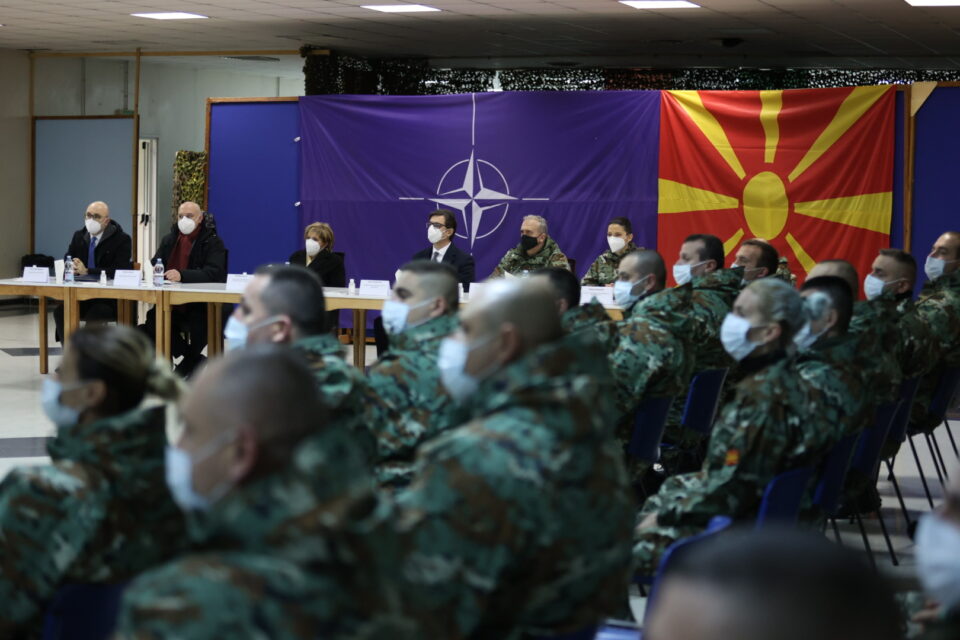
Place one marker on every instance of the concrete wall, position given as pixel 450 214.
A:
pixel 14 161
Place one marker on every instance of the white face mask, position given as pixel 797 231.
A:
pixel 938 559
pixel 452 362
pixel 313 247
pixel 434 235
pixel 683 273
pixel 623 291
pixel 179 474
pixel 733 335
pixel 59 413
pixel 934 267
pixel 186 225
pixel 804 339
pixel 236 334
pixel 616 244
pixel 93 227
pixel 394 314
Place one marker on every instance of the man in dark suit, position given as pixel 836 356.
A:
pixel 441 227
pixel 101 245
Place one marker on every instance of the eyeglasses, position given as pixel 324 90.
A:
pixel 437 225
pixel 93 216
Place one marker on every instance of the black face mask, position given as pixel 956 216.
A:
pixel 527 243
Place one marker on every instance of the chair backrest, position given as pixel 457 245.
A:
pixel 648 425
pixel 680 548
pixel 83 612
pixel 832 475
pixel 703 398
pixel 587 633
pixel 866 460
pixel 783 497
pixel 943 394
pixel 901 418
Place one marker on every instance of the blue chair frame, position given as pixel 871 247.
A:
pixel 866 460
pixel 783 497
pixel 649 422
pixel 83 612
pixel 703 400
pixel 833 475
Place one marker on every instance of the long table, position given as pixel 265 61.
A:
pixel 213 294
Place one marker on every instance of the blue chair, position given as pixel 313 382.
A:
pixel 83 612
pixel 783 498
pixel 866 460
pixel 677 550
pixel 648 425
pixel 829 489
pixel 939 403
pixel 618 632
pixel 898 434
pixel 588 633
pixel 703 399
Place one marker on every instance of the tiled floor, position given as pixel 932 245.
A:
pixel 23 426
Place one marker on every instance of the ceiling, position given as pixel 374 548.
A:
pixel 514 33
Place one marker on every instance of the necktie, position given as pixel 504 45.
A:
pixel 90 261
pixel 436 256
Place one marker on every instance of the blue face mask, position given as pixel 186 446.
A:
pixel 179 474
pixel 236 334
pixel 394 314
pixel 58 413
pixel 623 291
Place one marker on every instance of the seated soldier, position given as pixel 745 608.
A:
pixel 758 258
pixel 519 519
pixel 421 312
pixel 772 585
pixel 291 540
pixel 767 427
pixel 535 251
pixel 604 269
pixel 640 274
pixel 574 317
pixel 284 304
pixel 99 512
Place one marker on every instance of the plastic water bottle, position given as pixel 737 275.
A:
pixel 352 288
pixel 460 290
pixel 158 273
pixel 103 277
pixel 68 269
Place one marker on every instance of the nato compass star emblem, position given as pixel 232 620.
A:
pixel 477 189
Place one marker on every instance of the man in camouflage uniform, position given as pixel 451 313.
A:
pixel 939 308
pixel 519 519
pixel 535 251
pixel 784 273
pixel 290 540
pixel 406 378
pixel 574 317
pixel 758 258
pixel 604 269
pixel 285 305
pixel 763 431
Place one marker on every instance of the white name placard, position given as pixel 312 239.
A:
pixel 375 288
pixel 603 294
pixel 39 275
pixel 127 279
pixel 238 281
pixel 477 287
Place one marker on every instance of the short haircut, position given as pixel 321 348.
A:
pixel 769 257
pixel 528 304
pixel 539 220
pixel 623 222
pixel 780 303
pixel 565 284
pixel 323 230
pixel 649 261
pixel 792 585
pixel 273 389
pixel 845 270
pixel 296 292
pixel 438 279
pixel 712 247
pixel 839 297
pixel 955 235
pixel 905 261
pixel 449 219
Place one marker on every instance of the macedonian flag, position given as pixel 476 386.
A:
pixel 810 171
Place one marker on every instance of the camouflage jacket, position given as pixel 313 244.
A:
pixel 517 261
pixel 876 324
pixel 519 520
pixel 100 512
pixel 766 429
pixel 651 356
pixel 300 553
pixel 344 390
pixel 835 368
pixel 939 308
pixel 407 379
pixel 784 273
pixel 603 271
pixel 591 317
pixel 713 296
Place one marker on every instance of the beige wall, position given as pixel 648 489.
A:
pixel 15 131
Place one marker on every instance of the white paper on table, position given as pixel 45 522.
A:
pixel 127 279
pixel 603 294
pixel 477 287
pixel 238 281
pixel 375 288
pixel 58 271
pixel 509 276
pixel 39 275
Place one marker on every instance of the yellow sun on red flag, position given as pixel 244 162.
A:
pixel 809 170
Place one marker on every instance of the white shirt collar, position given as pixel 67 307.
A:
pixel 442 252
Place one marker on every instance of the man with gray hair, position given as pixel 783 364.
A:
pixel 536 251
pixel 518 521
